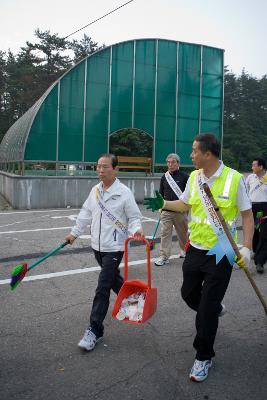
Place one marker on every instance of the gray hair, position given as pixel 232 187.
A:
pixel 175 156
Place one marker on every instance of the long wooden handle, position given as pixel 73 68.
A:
pixel 234 245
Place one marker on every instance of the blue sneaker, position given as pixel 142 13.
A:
pixel 200 370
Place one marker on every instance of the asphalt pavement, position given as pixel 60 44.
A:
pixel 43 319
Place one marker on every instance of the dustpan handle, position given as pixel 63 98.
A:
pixel 148 258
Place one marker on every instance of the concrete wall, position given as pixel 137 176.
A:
pixel 26 192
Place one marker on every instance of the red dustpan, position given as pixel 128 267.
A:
pixel 137 286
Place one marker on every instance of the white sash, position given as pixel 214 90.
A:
pixel 173 184
pixel 112 217
pixel 258 185
pixel 223 246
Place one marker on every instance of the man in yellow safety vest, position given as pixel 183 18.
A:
pixel 209 258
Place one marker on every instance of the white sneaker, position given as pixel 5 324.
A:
pixel 89 340
pixel 182 254
pixel 200 370
pixel 161 261
pixel 223 311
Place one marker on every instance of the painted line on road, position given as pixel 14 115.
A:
pixel 144 219
pixel 39 211
pixel 76 271
pixel 37 230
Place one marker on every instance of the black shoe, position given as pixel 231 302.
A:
pixel 259 268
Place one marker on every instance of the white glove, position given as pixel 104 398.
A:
pixel 244 261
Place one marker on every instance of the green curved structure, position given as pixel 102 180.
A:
pixel 169 89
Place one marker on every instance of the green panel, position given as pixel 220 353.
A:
pixel 145 69
pixel 211 109
pixel 188 106
pixel 189 83
pixel 145 52
pixel 212 61
pixel 98 68
pixel 71 114
pixel 42 140
pixel 120 120
pixel 145 123
pixel 71 134
pixel 166 78
pixel 166 105
pixel 188 129
pixel 97 103
pixel 212 86
pixel 184 150
pixel 167 54
pixel 122 86
pixel 189 58
pixel 96 142
pixel 165 138
pixel 144 102
pixel 211 126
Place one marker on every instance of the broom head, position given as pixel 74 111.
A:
pixel 18 274
pixel 152 244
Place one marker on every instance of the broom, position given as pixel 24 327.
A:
pixel 20 270
pixel 152 241
pixel 234 245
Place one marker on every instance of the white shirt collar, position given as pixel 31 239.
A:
pixel 217 173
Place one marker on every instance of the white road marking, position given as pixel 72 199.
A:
pixel 75 271
pixel 37 230
pixel 38 211
pixel 72 217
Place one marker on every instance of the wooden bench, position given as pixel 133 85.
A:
pixel 135 163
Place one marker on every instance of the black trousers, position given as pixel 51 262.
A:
pixel 260 235
pixel 109 278
pixel 204 286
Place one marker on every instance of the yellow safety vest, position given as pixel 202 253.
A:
pixel 224 190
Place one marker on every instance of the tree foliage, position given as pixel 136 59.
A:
pixel 131 142
pixel 245 119
pixel 25 76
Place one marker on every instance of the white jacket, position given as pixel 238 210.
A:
pixel 120 202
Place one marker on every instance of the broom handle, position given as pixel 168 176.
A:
pixel 234 245
pixel 156 229
pixel 48 255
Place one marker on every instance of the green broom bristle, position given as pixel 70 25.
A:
pixel 18 274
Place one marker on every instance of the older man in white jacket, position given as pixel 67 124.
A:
pixel 113 214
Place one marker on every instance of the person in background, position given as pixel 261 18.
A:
pixel 257 188
pixel 112 213
pixel 172 184
pixel 206 276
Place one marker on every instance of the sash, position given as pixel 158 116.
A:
pixel 173 184
pixel 261 182
pixel 112 217
pixel 222 246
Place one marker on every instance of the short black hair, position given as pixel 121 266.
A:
pixel 208 142
pixel 112 157
pixel 261 162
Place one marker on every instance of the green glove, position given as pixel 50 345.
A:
pixel 155 203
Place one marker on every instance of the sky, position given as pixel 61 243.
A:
pixel 237 26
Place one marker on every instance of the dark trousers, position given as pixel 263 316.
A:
pixel 204 286
pixel 109 278
pixel 260 235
